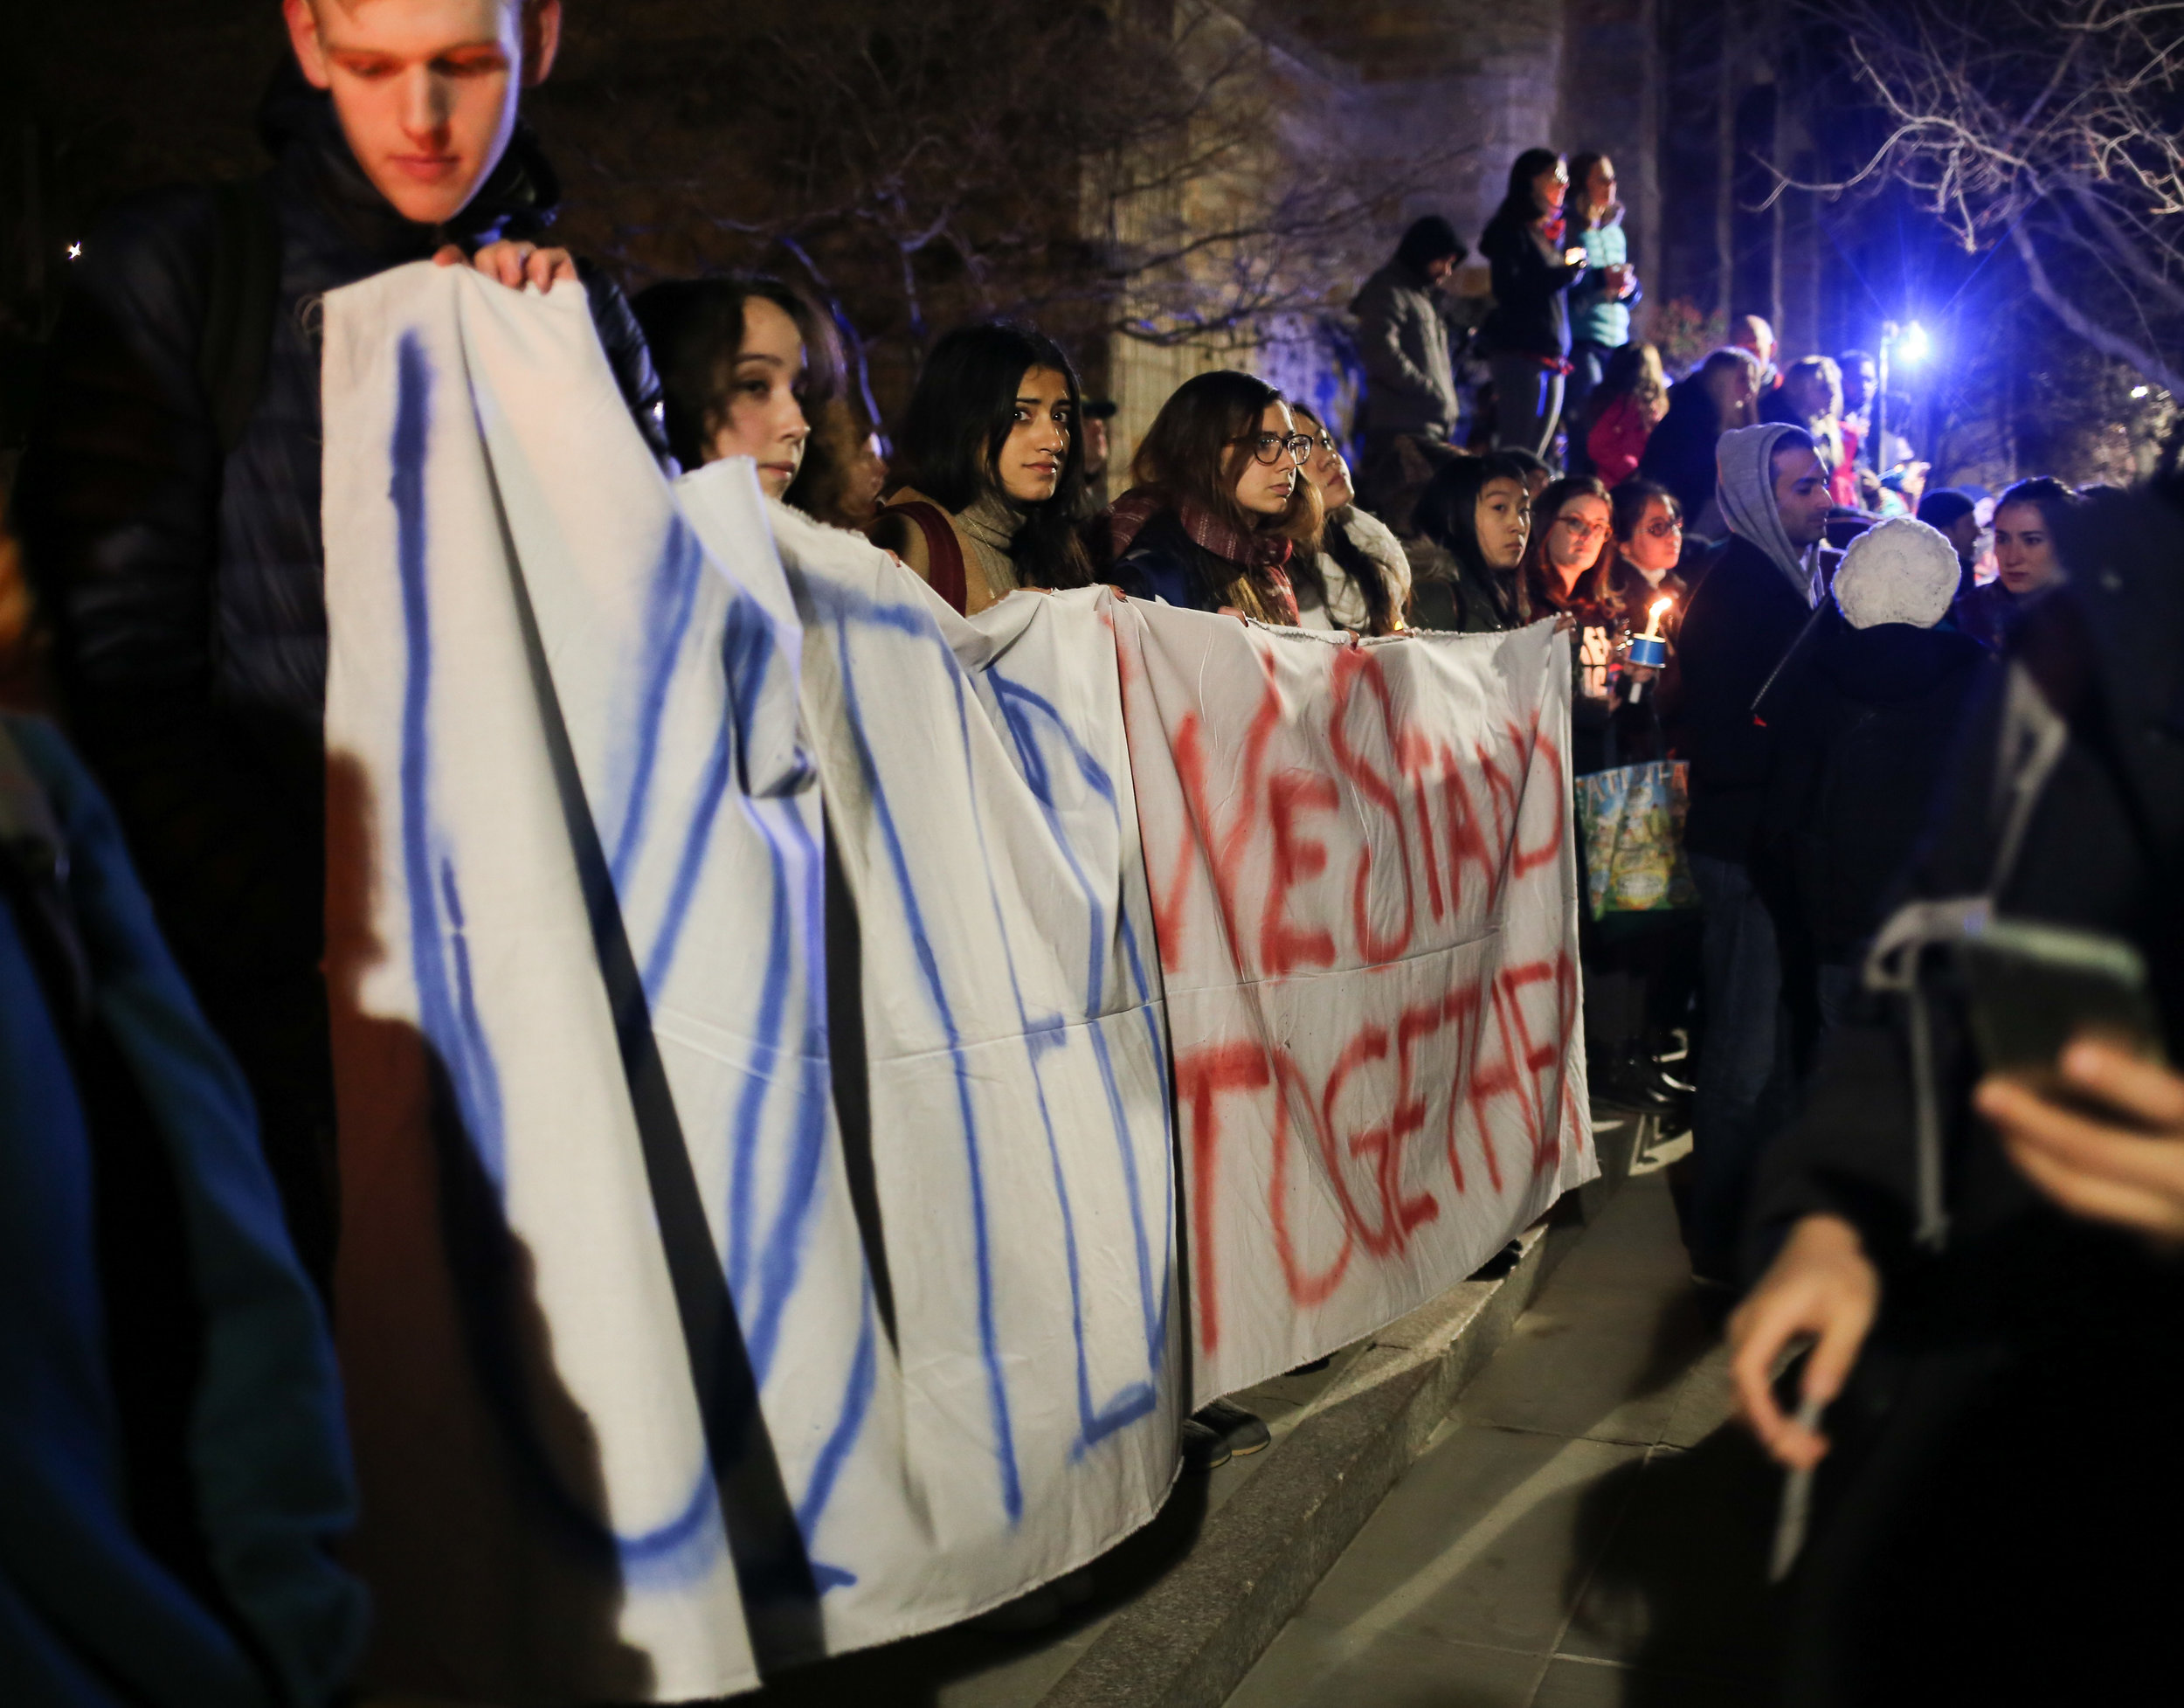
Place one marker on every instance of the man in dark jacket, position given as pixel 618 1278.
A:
pixel 1742 622
pixel 174 538
pixel 1997 1516
pixel 1860 746
pixel 1679 453
pixel 1403 336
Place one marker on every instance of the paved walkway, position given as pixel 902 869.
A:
pixel 1588 1529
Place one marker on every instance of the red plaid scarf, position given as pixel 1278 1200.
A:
pixel 1261 559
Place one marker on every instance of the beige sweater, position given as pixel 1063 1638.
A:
pixel 983 532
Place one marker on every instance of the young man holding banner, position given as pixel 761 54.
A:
pixel 171 492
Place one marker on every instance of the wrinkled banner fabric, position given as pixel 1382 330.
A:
pixel 760 1217
pixel 1365 895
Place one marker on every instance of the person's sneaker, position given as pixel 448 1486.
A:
pixel 1203 1448
pixel 1675 1076
pixel 1501 1264
pixel 1632 1080
pixel 1313 1367
pixel 1239 1431
pixel 1074 1588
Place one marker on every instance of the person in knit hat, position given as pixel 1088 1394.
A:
pixel 1739 628
pixel 1861 748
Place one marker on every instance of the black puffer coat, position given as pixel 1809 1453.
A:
pixel 1679 452
pixel 1858 755
pixel 1531 287
pixel 185 588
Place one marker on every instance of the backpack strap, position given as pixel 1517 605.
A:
pixel 34 886
pixel 943 551
pixel 242 291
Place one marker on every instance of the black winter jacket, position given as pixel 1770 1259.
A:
pixel 1679 452
pixel 186 588
pixel 2031 1326
pixel 1741 622
pixel 1859 752
pixel 1531 309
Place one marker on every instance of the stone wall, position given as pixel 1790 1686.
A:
pixel 1464 85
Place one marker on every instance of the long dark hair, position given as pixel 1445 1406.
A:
pixel 1359 564
pixel 694 327
pixel 1634 370
pixel 1520 203
pixel 1581 166
pixel 960 415
pixel 1191 454
pixel 1594 585
pixel 1447 515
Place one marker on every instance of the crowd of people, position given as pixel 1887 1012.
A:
pixel 1835 634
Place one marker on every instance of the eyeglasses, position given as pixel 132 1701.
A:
pixel 1269 447
pixel 1582 528
pixel 1663 530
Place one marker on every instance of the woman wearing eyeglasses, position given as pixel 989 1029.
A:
pixel 1220 505
pixel 1568 572
pixel 1642 974
pixel 1649 527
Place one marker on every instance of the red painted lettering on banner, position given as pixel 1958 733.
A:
pixel 1202 1078
pixel 1517 1088
pixel 1533 746
pixel 1305 1289
pixel 1283 947
pixel 1380 791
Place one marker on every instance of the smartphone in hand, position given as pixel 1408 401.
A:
pixel 2032 990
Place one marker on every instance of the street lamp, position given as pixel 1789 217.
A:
pixel 1910 344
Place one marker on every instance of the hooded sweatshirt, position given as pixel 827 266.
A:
pixel 1745 489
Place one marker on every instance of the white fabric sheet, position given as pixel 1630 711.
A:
pixel 698 1318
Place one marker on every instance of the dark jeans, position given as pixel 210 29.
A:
pixel 1588 362
pixel 1746 1078
pixel 1840 984
pixel 1527 402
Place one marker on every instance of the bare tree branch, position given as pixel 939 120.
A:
pixel 2068 110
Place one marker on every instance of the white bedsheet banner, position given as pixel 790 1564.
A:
pixel 699 1318
pixel 1365 896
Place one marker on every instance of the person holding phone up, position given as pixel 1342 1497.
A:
pixel 1527 337
pixel 1981 1243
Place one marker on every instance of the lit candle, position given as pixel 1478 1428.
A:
pixel 1650 650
